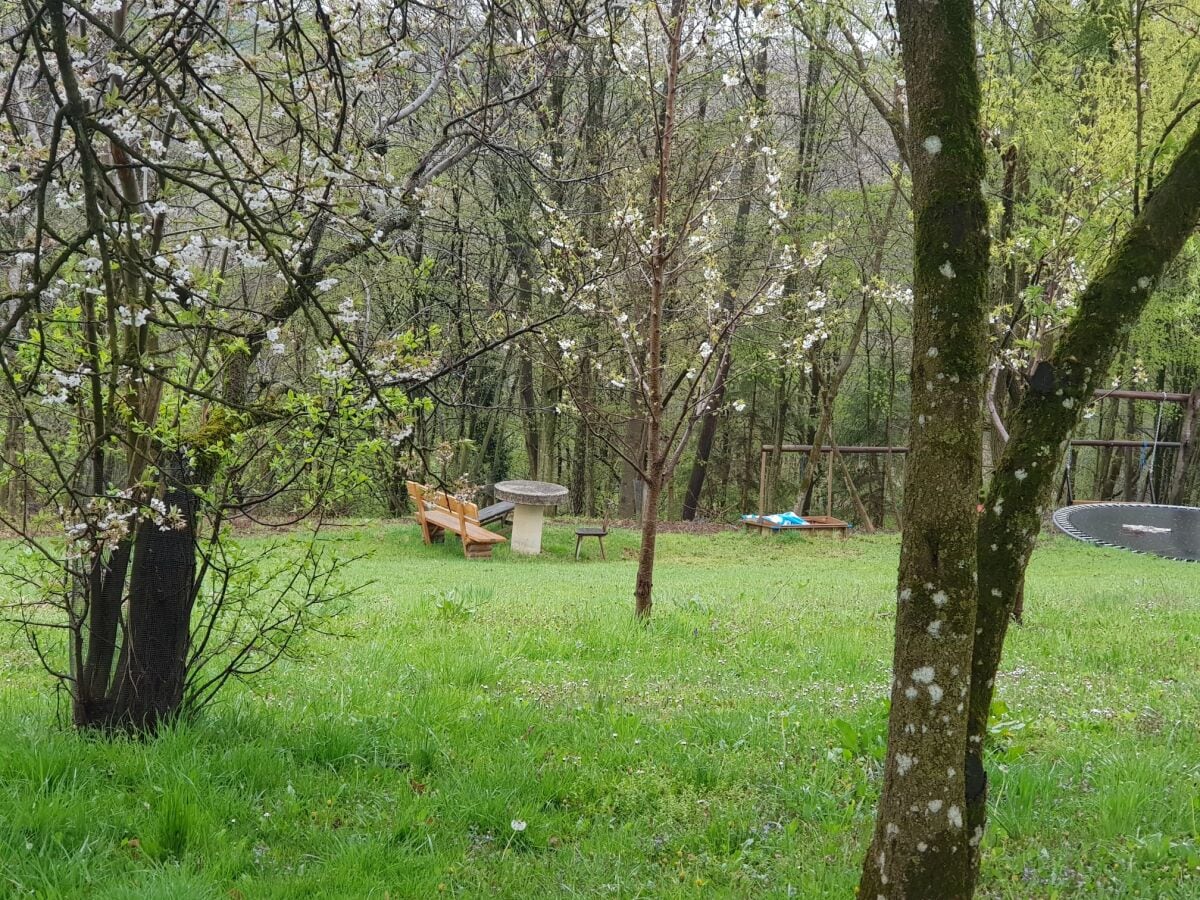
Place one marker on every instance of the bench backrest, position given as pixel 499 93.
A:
pixel 465 511
pixel 416 493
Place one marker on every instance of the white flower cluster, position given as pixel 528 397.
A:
pixel 135 318
pixel 333 365
pixel 347 315
pixel 398 436
pixel 105 521
pixel 65 384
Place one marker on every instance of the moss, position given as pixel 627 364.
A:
pixel 208 440
pixel 220 425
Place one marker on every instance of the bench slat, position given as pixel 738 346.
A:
pixel 475 533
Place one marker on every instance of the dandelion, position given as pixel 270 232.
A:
pixel 519 825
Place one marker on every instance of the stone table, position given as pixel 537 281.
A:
pixel 531 499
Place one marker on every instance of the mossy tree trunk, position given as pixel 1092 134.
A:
pixel 920 847
pixel 1024 480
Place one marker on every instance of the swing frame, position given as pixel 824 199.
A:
pixel 1189 402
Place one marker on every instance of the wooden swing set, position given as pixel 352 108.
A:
pixel 1149 449
pixel 835 456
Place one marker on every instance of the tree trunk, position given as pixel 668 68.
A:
pixel 656 455
pixel 832 384
pixel 643 591
pixel 1024 481
pixel 153 672
pixel 708 436
pixel 582 501
pixel 1132 472
pixel 13 491
pixel 920 847
pixel 635 447
pixel 147 687
pixel 733 281
pixel 749 457
pixel 778 433
pixel 549 439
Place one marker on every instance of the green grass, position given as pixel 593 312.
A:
pixel 730 748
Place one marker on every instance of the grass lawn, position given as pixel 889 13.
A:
pixel 730 748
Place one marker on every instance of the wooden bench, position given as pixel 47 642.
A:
pixel 497 512
pixel 439 512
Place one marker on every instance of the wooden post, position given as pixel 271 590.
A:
pixel 859 506
pixel 762 482
pixel 885 476
pixel 1131 475
pixel 829 483
pixel 1183 454
pixel 894 494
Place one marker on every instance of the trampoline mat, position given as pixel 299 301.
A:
pixel 1105 524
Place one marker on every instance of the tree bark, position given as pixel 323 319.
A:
pixel 920 847
pixel 1132 472
pixel 643 590
pixel 1043 421
pixel 146 689
pixel 152 674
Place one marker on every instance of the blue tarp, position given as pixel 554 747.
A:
pixel 787 518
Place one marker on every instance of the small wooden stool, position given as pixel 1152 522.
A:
pixel 597 531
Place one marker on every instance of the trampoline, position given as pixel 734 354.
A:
pixel 1169 531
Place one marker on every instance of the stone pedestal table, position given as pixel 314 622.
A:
pixel 531 499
